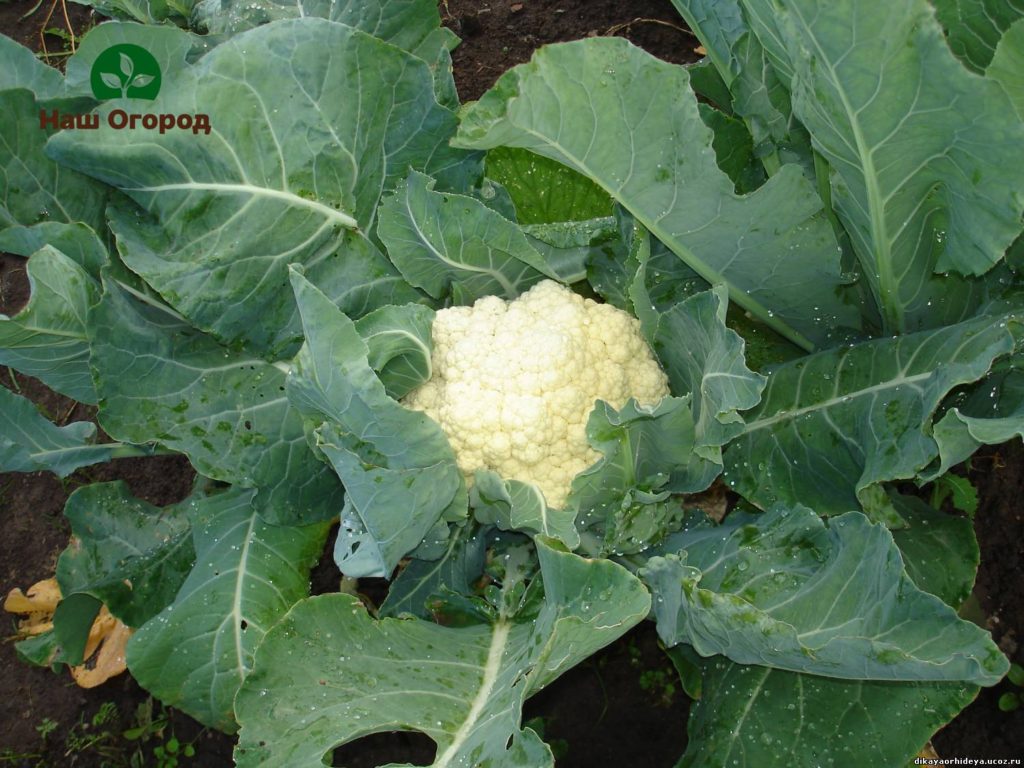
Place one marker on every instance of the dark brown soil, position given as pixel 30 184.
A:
pixel 615 709
pixel 497 34
pixel 983 730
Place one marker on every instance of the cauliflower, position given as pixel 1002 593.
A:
pixel 514 382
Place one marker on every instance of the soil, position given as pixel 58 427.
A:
pixel 623 706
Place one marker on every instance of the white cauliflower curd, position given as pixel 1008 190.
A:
pixel 514 382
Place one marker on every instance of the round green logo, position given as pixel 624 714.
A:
pixel 125 71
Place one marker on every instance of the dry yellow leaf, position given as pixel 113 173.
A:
pixel 105 648
pixel 700 50
pixel 104 651
pixel 38 603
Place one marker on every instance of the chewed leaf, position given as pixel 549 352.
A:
pixel 599 106
pixel 110 80
pixel 30 442
pixel 832 426
pixel 328 673
pixel 49 338
pixel 197 651
pixel 786 590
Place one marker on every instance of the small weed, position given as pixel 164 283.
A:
pixel 1011 701
pixel 661 682
pixel 46 727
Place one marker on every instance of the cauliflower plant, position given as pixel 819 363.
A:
pixel 514 382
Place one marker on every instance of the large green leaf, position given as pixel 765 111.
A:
pixel 128 554
pixel 33 188
pixel 49 338
pixel 161 380
pixel 757 717
pixel 21 68
pixel 786 590
pixel 1007 66
pixel 248 573
pixel 397 466
pixel 923 153
pixel 832 426
pixel 974 27
pixel 300 149
pixel 454 245
pixel 29 442
pixel 328 673
pixel 599 107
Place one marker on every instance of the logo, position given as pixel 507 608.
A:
pixel 125 71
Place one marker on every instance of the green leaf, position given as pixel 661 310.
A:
pixel 757 717
pixel 76 241
pixel 1007 67
pixel 545 191
pixel 569 247
pixel 248 573
pixel 289 168
pixel 129 555
pixel 832 426
pixel 987 413
pixel 705 359
pixel 29 442
pixel 398 469
pixel 35 189
pixel 734 150
pixel 452 244
pixel 398 344
pixel 919 150
pixel 975 27
pixel 757 94
pixel 21 68
pixel 513 505
pixel 49 338
pixel 598 106
pixel 161 380
pixel 329 674
pixel 959 490
pixel 940 551
pixel 72 621
pixel 786 590
pixel 456 570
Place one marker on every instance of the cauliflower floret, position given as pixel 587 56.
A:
pixel 514 382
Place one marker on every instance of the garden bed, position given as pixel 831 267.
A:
pixel 623 707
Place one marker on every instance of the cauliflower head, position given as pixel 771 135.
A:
pixel 514 382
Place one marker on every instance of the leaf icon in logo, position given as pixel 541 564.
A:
pixel 111 80
pixel 127 65
pixel 141 81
